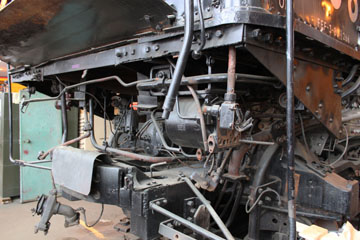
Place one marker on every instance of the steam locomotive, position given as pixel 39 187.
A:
pixel 196 94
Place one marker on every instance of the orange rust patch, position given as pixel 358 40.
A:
pixel 38 11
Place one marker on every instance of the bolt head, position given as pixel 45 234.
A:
pixel 218 33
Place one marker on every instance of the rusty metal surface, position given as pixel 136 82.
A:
pixel 313 86
pixel 39 30
pixel 336 21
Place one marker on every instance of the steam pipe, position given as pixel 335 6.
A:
pixel 181 62
pixel 98 80
pixel 352 89
pixel 131 155
pixel 290 118
pixel 11 158
pixel 351 75
pixel 230 92
pixel 213 78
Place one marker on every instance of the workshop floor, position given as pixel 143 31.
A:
pixel 17 222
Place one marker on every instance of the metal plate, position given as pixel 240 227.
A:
pixel 73 168
pixel 36 31
pixel 169 232
pixel 313 86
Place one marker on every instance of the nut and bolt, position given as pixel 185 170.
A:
pixel 218 33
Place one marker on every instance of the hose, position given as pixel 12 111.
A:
pixel 181 62
pixel 82 210
pixel 351 75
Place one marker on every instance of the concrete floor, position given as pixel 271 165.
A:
pixel 17 222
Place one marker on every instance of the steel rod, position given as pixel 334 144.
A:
pixel 290 118
pixel 64 115
pixel 256 142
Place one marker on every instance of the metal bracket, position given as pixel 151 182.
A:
pixel 166 229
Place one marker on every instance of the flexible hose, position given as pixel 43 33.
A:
pixel 181 62
pixel 351 75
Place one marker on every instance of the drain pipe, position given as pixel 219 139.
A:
pixel 290 118
pixel 181 62
pixel 230 95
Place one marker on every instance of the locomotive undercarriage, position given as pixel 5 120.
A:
pixel 225 136
pixel 243 171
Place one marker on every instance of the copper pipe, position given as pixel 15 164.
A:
pixel 231 70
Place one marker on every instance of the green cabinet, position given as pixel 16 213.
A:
pixel 9 173
pixel 40 130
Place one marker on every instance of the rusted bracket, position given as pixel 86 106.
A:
pixel 313 85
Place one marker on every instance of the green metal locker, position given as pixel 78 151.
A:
pixel 9 173
pixel 40 130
